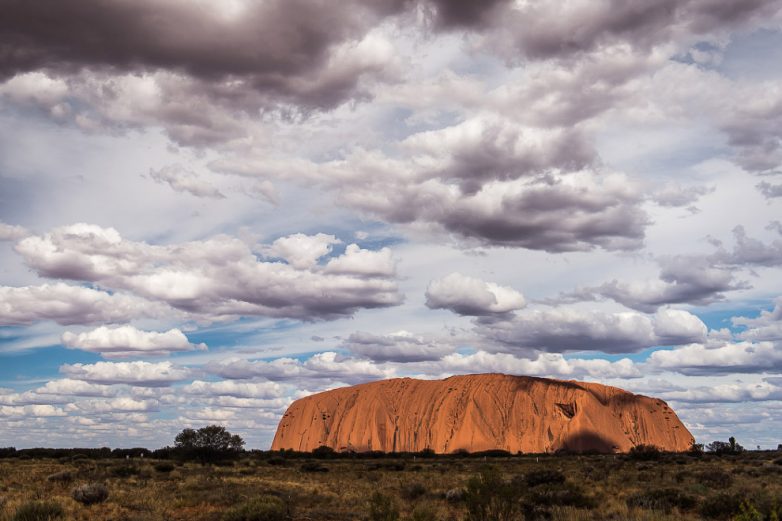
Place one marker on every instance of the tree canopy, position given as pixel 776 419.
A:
pixel 208 443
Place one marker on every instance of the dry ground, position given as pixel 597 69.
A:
pixel 712 487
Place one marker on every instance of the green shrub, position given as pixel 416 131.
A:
pixel 263 508
pixel 39 511
pixel 721 506
pixel 662 500
pixel 164 467
pixel 423 513
pixel 714 478
pixel 90 493
pixel 313 466
pixel 490 498
pixel 125 471
pixel 412 491
pixel 66 476
pixel 562 494
pixel 382 508
pixel 543 477
pixel 644 453
pixel 747 512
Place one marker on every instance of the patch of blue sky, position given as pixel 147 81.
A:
pixel 753 56
pixel 24 369
pixel 719 317
pixel 640 356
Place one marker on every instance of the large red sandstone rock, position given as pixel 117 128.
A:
pixel 480 412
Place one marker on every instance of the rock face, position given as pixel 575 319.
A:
pixel 480 412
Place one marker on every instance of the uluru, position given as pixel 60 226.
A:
pixel 480 412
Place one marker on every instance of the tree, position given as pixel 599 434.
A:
pixel 721 447
pixel 208 443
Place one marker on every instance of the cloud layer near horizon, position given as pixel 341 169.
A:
pixel 208 210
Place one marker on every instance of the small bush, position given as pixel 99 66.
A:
pixel 125 471
pixel 39 511
pixel 277 462
pixel 324 452
pixel 714 478
pixel 382 508
pixel 644 453
pixel 563 495
pixel 423 513
pixel 313 466
pixel 90 493
pixel 721 506
pixel 164 467
pixel 662 500
pixel 490 498
pixel 543 477
pixel 264 508
pixel 748 512
pixel 455 495
pixel 413 491
pixel 65 476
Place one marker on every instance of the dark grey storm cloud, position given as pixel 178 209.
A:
pixel 557 30
pixel 269 45
pixel 450 14
pixel 497 155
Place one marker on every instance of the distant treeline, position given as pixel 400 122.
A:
pixel 641 452
pixel 178 453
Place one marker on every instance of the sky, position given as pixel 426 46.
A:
pixel 211 209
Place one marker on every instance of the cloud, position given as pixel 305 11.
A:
pixel 182 180
pixel 687 279
pixel 10 232
pixel 125 341
pixel 263 390
pixel 285 50
pixel 471 296
pixel 68 305
pixel 143 374
pixel 33 411
pixel 683 279
pixel 358 262
pixel 578 212
pixel 748 251
pixel 302 251
pixel 70 387
pixel 486 181
pixel 401 346
pixel 327 365
pixel 769 190
pixel 554 31
pixel 122 404
pixel 565 330
pixel 767 326
pixel 698 359
pixel 216 278
pixel 544 364
pixel 675 195
pixel 727 393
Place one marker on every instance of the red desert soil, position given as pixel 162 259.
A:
pixel 480 412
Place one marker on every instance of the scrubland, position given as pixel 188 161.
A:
pixel 271 487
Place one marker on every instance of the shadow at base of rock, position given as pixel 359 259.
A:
pixel 588 442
